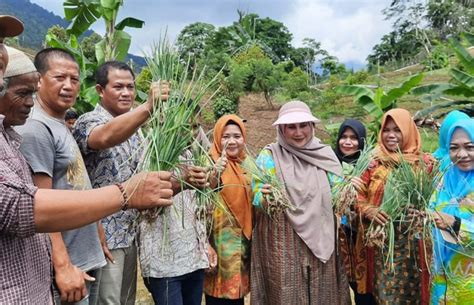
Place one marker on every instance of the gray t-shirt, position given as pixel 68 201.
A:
pixel 50 148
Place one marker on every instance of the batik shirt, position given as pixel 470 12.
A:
pixel 106 167
pixel 453 262
pixel 175 242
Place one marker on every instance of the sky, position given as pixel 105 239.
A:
pixel 347 29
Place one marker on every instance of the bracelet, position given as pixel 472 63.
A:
pixel 124 203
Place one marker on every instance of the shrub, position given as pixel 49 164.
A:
pixel 358 77
pixel 296 82
pixel 224 105
pixel 437 59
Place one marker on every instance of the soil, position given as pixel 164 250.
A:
pixel 260 117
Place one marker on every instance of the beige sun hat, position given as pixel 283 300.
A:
pixel 295 112
pixel 10 26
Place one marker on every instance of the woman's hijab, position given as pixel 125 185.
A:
pixel 235 192
pixel 304 172
pixel 411 142
pixel 442 153
pixel 359 130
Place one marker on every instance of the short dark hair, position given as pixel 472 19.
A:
pixel 71 114
pixel 102 74
pixel 42 57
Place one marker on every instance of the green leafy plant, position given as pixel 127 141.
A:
pixel 460 85
pixel 278 201
pixel 224 105
pixel 378 101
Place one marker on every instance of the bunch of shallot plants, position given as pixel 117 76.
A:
pixel 406 201
pixel 169 130
pixel 278 200
pixel 345 193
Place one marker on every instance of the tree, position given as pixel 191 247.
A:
pixel 397 45
pixel 450 17
pixel 88 46
pixel 59 32
pixel 296 82
pixel 273 34
pixel 193 39
pixel 331 66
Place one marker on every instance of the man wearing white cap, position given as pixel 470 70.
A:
pixel 25 209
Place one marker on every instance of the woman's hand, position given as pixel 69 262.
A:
pixel 212 255
pixel 443 221
pixel 266 189
pixel 376 215
pixel 358 184
pixel 266 193
pixel 220 164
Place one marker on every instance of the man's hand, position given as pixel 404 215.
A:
pixel 148 190
pixel 376 215
pixel 159 91
pixel 197 177
pixel 70 281
pixel 103 243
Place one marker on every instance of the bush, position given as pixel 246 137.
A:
pixel 437 59
pixel 224 105
pixel 296 82
pixel 305 96
pixel 358 77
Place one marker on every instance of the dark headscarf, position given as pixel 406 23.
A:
pixel 359 130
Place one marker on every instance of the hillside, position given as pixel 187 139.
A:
pixel 37 21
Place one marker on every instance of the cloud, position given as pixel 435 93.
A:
pixel 346 31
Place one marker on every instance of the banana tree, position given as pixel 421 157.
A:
pixel 460 86
pixel 84 13
pixel 378 101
